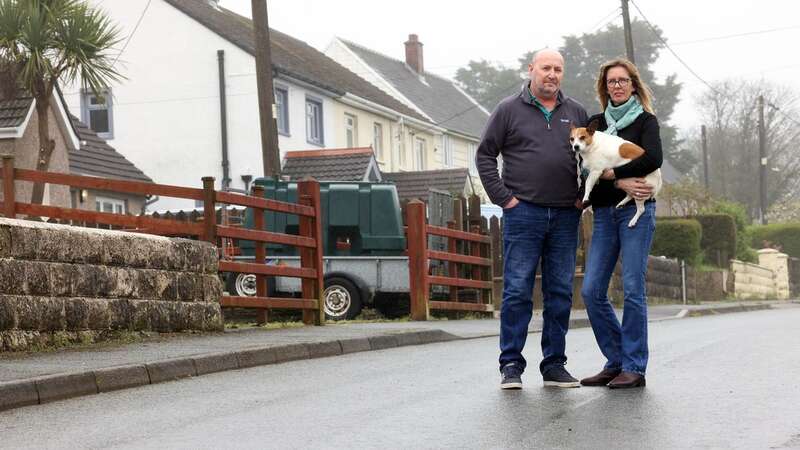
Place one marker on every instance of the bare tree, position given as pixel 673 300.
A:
pixel 730 112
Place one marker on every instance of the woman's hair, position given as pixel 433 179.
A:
pixel 640 89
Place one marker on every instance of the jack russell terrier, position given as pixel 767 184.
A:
pixel 600 151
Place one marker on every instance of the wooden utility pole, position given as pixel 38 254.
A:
pixel 762 163
pixel 269 135
pixel 705 157
pixel 626 21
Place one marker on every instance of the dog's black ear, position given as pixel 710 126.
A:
pixel 592 127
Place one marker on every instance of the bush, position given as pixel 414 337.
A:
pixel 743 250
pixel 719 238
pixel 679 238
pixel 783 235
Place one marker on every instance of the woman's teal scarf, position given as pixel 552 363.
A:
pixel 619 117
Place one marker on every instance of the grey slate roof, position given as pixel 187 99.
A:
pixel 411 185
pixel 290 56
pixel 97 158
pixel 329 165
pixel 439 98
pixel 14 111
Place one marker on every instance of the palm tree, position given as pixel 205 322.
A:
pixel 44 42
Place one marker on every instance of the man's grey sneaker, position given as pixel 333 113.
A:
pixel 511 376
pixel 557 376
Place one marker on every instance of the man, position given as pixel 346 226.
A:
pixel 538 192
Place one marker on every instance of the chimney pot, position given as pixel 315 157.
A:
pixel 414 54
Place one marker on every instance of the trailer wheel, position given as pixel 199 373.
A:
pixel 244 285
pixel 342 299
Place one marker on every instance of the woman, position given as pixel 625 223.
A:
pixel 627 113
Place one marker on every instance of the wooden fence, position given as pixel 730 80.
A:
pixel 309 239
pixel 472 255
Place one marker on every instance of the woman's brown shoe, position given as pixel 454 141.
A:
pixel 627 380
pixel 602 378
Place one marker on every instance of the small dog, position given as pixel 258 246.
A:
pixel 600 151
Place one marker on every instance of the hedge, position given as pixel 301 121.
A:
pixel 785 235
pixel 719 238
pixel 679 238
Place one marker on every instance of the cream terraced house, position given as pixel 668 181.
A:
pixel 459 119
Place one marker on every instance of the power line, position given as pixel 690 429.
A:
pixel 714 89
pixel 605 20
pixel 130 36
pixel 731 36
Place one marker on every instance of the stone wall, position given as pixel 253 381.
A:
pixel 60 283
pixel 751 281
pixel 778 263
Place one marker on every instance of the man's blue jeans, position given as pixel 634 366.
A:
pixel 625 345
pixel 532 233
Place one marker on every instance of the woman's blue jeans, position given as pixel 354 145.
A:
pixel 624 345
pixel 532 233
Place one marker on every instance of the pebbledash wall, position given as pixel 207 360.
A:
pixel 60 284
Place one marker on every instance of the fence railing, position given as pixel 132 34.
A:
pixel 309 239
pixel 475 258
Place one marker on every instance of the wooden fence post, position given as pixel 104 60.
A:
pixel 260 253
pixel 497 262
pixel 308 194
pixel 417 260
pixel 474 212
pixel 9 196
pixel 452 267
pixel 209 214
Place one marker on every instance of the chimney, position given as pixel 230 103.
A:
pixel 414 54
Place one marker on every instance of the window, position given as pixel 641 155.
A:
pixel 109 205
pixel 420 153
pixel 473 169
pixel 447 150
pixel 377 140
pixel 282 110
pixel 97 113
pixel 314 122
pixel 351 130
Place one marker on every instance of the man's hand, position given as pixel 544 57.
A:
pixel 635 187
pixel 608 174
pixel 511 203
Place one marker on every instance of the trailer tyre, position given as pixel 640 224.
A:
pixel 244 285
pixel 342 299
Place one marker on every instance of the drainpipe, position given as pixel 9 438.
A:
pixel 223 113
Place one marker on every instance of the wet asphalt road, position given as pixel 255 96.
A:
pixel 714 382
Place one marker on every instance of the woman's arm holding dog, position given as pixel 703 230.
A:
pixel 652 158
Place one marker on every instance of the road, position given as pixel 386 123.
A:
pixel 726 381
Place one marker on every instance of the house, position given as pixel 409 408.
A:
pixel 78 151
pixel 95 158
pixel 419 185
pixel 189 106
pixel 347 164
pixel 459 117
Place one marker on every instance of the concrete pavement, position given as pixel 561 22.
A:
pixel 28 379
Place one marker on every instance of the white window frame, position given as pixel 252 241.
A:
pixel 473 169
pixel 447 151
pixel 377 140
pixel 87 107
pixel 282 110
pixel 420 153
pixel 350 130
pixel 117 206
pixel 315 130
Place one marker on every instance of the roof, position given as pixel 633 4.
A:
pixel 96 158
pixel 290 56
pixel 412 185
pixel 437 97
pixel 351 164
pixel 14 111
